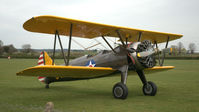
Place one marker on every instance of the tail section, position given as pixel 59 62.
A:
pixel 41 59
pixel 44 59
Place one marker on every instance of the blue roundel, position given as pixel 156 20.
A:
pixel 91 63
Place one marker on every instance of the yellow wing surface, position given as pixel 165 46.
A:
pixel 49 24
pixel 66 71
pixel 78 71
pixel 158 69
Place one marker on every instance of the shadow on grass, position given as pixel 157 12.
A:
pixel 65 92
pixel 59 93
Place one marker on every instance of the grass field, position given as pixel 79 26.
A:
pixel 178 91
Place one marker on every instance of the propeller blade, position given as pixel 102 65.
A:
pixel 155 51
pixel 145 53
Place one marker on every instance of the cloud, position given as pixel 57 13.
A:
pixel 174 16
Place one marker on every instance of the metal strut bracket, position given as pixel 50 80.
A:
pixel 124 73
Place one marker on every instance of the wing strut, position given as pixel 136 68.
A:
pixel 119 35
pixel 161 62
pixel 158 53
pixel 62 50
pixel 69 45
pixel 126 41
pixel 164 52
pixel 57 35
pixel 140 35
pixel 108 44
pixel 54 48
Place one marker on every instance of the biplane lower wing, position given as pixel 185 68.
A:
pixel 78 71
pixel 158 69
pixel 66 71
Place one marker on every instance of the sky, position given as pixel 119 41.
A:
pixel 172 16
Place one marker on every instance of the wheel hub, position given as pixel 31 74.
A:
pixel 148 89
pixel 118 91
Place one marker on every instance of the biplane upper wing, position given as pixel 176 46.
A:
pixel 66 71
pixel 49 24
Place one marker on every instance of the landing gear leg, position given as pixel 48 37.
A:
pixel 149 88
pixel 120 90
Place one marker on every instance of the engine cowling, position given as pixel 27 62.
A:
pixel 142 62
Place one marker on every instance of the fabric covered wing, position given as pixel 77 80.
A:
pixel 49 24
pixel 158 69
pixel 66 71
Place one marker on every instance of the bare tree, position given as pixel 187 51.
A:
pixel 26 48
pixel 1 47
pixel 192 47
pixel 174 49
pixel 180 46
pixel 1 43
pixel 9 49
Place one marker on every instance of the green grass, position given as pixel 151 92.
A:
pixel 178 91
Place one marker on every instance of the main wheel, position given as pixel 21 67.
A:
pixel 120 91
pixel 149 89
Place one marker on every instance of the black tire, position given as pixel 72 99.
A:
pixel 120 91
pixel 149 89
pixel 47 86
pixel 47 82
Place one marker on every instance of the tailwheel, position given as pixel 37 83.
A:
pixel 149 89
pixel 47 86
pixel 120 91
pixel 47 82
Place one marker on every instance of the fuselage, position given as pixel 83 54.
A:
pixel 103 59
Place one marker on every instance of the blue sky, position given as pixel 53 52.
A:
pixel 172 16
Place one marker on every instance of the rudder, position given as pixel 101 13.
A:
pixel 44 59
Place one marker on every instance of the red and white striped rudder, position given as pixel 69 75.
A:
pixel 41 63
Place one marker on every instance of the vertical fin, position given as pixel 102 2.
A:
pixel 47 59
pixel 44 59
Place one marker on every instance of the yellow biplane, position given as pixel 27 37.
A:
pixel 135 53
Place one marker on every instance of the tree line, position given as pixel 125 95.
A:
pixel 179 49
pixel 10 49
pixel 27 52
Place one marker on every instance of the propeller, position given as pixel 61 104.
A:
pixel 148 53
